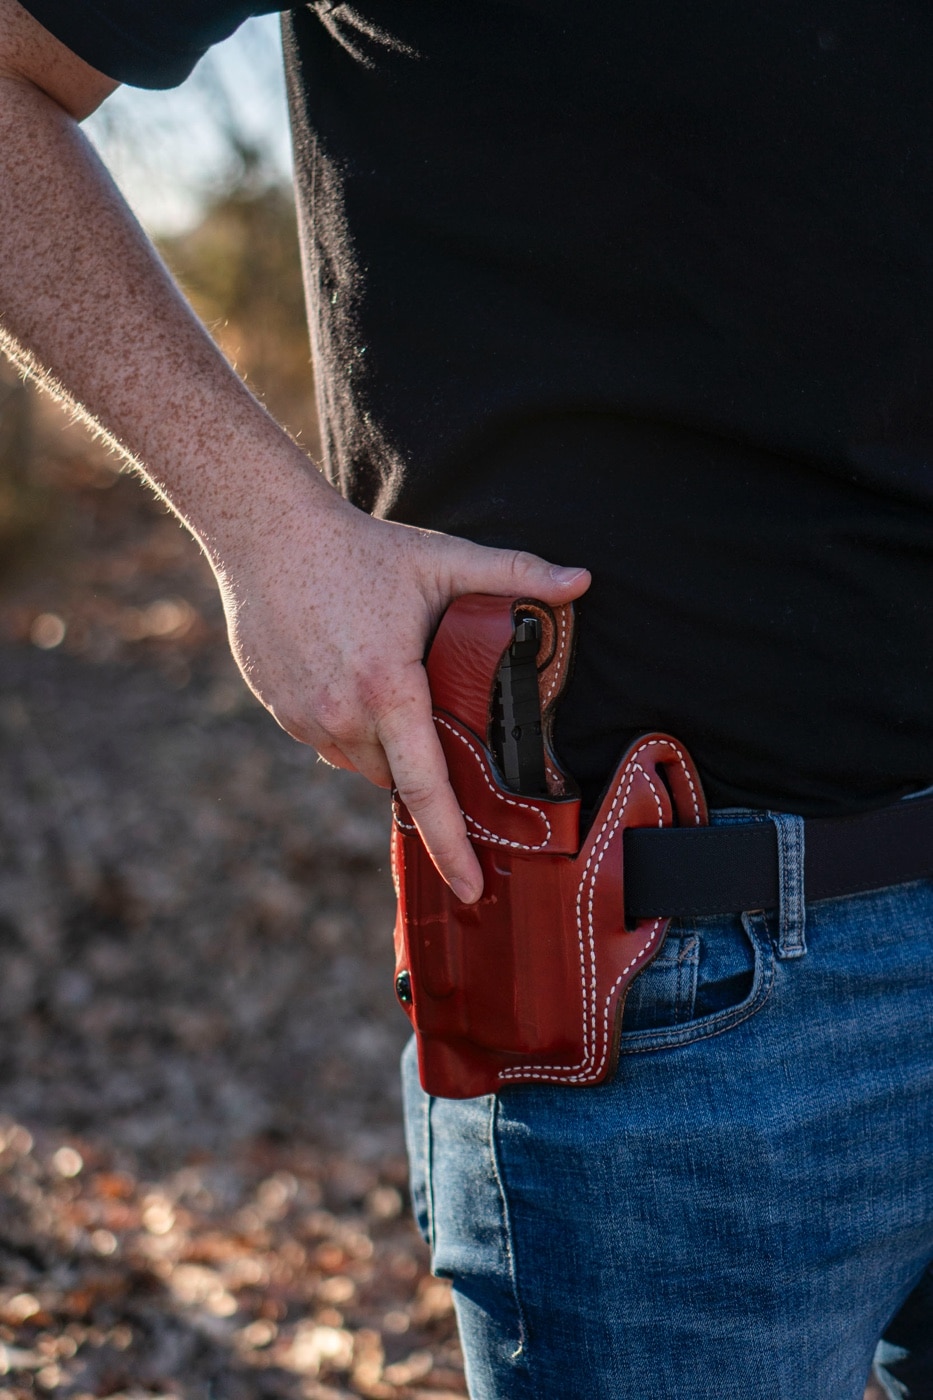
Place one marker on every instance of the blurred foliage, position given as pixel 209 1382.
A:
pixel 215 146
pixel 241 269
pixel 25 503
pixel 173 153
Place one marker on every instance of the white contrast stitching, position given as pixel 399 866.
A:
pixel 562 630
pixel 502 840
pixel 556 779
pixel 509 801
pixel 724 1023
pixel 393 863
pixel 472 821
pixel 583 1071
pixel 396 808
pixel 596 855
pixel 554 775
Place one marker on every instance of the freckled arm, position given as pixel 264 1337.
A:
pixel 328 610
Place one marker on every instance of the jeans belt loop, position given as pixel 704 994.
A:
pixel 792 913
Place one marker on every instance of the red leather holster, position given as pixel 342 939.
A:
pixel 528 984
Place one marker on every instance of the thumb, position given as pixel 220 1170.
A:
pixel 512 571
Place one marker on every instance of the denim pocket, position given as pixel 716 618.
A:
pixel 710 975
pixel 665 993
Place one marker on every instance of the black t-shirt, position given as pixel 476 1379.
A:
pixel 649 288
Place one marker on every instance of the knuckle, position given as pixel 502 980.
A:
pixel 395 718
pixel 446 856
pixel 523 564
pixel 418 794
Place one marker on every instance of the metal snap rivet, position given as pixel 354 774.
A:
pixel 403 987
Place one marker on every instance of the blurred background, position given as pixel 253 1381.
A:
pixel 202 1182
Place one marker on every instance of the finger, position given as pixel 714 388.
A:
pixel 419 770
pixel 479 569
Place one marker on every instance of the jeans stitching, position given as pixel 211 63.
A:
pixel 720 1021
pixel 521 1352
pixel 707 1035
pixel 792 912
pixel 583 1071
pixel 688 967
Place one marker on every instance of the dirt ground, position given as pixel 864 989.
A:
pixel 202 1179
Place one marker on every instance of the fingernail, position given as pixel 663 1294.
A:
pixel 465 892
pixel 560 575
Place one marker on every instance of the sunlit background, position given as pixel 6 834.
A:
pixel 202 1181
pixel 173 152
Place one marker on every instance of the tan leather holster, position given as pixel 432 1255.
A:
pixel 528 984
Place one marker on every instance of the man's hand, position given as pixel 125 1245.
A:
pixel 330 614
pixel 329 611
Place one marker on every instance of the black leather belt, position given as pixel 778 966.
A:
pixel 680 871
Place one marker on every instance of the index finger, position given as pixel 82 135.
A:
pixel 419 769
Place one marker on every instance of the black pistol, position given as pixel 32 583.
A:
pixel 517 741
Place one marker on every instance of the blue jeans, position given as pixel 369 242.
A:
pixel 739 1213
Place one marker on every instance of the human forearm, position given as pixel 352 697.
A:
pixel 329 611
pixel 82 287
